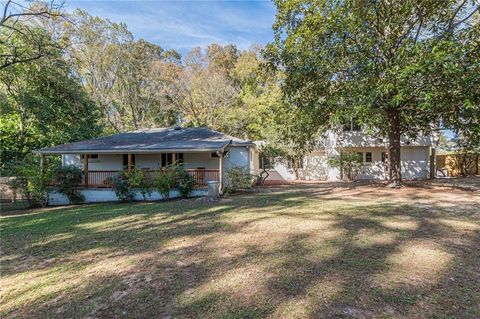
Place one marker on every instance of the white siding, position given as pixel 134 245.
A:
pixel 106 162
pixel 415 164
pixel 238 156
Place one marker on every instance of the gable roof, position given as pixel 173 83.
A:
pixel 194 139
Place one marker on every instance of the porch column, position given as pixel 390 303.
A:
pixel 129 161
pixel 42 164
pixel 174 158
pixel 85 168
pixel 220 171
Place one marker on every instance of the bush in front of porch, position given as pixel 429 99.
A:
pixel 163 180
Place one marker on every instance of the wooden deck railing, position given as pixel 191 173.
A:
pixel 105 178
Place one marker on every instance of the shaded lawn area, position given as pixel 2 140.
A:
pixel 304 251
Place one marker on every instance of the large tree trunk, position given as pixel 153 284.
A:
pixel 394 159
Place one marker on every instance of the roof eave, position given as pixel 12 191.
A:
pixel 126 151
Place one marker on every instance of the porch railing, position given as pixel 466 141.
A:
pixel 105 178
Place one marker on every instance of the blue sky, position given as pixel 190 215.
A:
pixel 182 25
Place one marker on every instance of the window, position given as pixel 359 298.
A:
pixel 167 158
pixel 293 162
pixel 214 155
pixel 265 162
pixel 384 157
pixel 368 157
pixel 125 160
pixel 180 157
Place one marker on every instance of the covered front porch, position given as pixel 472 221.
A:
pixel 99 169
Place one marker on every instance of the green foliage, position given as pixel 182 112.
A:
pixel 42 104
pixel 238 178
pixel 34 186
pixel 67 179
pixel 184 182
pixel 122 188
pixel 128 181
pixel 400 67
pixel 164 179
pixel 349 161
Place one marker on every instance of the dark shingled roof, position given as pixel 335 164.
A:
pixel 151 140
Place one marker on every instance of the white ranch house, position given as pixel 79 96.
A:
pixel 204 153
pixel 207 155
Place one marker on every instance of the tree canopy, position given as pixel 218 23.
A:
pixel 401 67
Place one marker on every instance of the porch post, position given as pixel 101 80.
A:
pixel 129 162
pixel 42 164
pixel 85 168
pixel 220 171
pixel 174 158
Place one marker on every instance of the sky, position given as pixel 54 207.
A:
pixel 182 25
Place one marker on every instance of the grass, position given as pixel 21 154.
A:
pixel 305 251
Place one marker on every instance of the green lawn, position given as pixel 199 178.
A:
pixel 308 251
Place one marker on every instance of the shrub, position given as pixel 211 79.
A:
pixel 127 181
pixel 67 179
pixel 185 182
pixel 164 179
pixel 122 188
pixel 33 185
pixel 137 179
pixel 238 178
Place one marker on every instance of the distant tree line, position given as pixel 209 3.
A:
pixel 67 77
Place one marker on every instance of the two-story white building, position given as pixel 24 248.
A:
pixel 415 157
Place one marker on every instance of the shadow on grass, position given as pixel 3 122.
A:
pixel 180 263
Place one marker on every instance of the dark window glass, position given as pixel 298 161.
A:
pixel 167 158
pixel 164 159
pixel 292 162
pixel 368 157
pixel 384 157
pixel 214 154
pixel 125 160
pixel 265 162
pixel 180 157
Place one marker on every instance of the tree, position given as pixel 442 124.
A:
pixel 122 75
pixel 42 104
pixel 22 36
pixel 389 64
